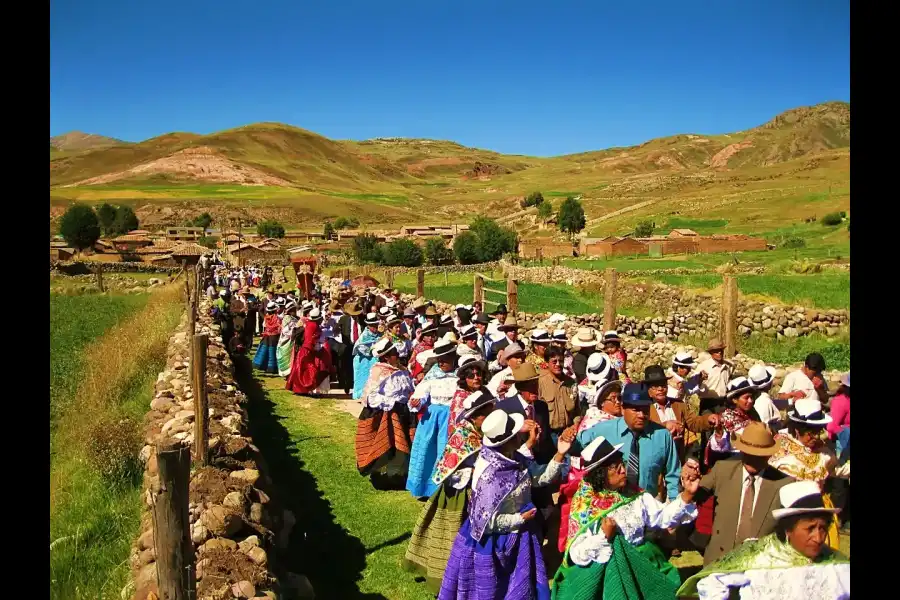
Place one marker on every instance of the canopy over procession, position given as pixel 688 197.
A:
pixel 545 467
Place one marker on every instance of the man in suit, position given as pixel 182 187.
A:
pixel 672 413
pixel 410 324
pixel 745 491
pixel 351 329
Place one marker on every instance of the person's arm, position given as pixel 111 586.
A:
pixel 839 411
pixel 707 487
pixel 673 467
pixel 692 421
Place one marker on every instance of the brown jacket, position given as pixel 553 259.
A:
pixel 560 399
pixel 725 482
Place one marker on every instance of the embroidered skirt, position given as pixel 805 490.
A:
pixel 383 444
pixel 432 537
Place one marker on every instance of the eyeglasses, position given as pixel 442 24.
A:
pixel 555 361
pixel 474 376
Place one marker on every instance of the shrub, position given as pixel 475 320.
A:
pixel 571 216
pixel 270 229
pixel 366 249
pixel 437 252
pixel 792 242
pixel 465 248
pixel 125 221
pixel 106 215
pixel 533 199
pixel 832 219
pixel 843 213
pixel 210 242
pixel 79 226
pixel 328 231
pixel 545 210
pixel 492 239
pixel 644 229
pixel 346 222
pixel 113 446
pixel 401 253
pixel 204 221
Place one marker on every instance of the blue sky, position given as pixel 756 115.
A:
pixel 538 78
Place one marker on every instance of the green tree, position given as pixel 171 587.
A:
pixel 204 221
pixel 366 249
pixel 493 241
pixel 79 226
pixel 211 242
pixel 106 216
pixel 465 248
pixel 401 253
pixel 346 222
pixel 643 229
pixel 437 252
pixel 270 229
pixel 328 230
pixel 571 216
pixel 125 220
pixel 832 219
pixel 533 199
pixel 545 210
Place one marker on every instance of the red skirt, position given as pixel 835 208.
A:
pixel 309 370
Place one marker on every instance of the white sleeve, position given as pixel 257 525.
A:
pixel 504 523
pixel 460 478
pixel 590 546
pixel 395 389
pixel 542 475
pixel 672 513
pixel 720 445
pixel 716 586
pixel 788 385
pixel 421 392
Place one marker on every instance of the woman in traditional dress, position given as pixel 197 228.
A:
pixel 285 348
pixel 497 552
pixel 597 372
pixel 609 556
pixel 446 509
pixel 794 563
pixel 605 405
pixel 612 345
pixel 471 374
pixel 385 429
pixel 803 454
pixel 393 331
pixel 427 337
pixel 266 359
pixel 362 354
pixel 432 399
pixel 311 368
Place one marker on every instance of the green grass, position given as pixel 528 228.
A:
pixel 93 521
pixel 788 351
pixel 350 538
pixel 819 290
pixel 74 322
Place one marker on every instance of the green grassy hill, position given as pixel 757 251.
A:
pixel 275 170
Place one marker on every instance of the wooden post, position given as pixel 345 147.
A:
pixel 195 304
pixel 389 278
pixel 346 274
pixel 420 283
pixel 478 292
pixel 201 407
pixel 729 314
pixel 171 524
pixel 512 295
pixel 609 300
pixel 446 277
pixel 99 272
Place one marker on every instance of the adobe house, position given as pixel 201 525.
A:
pixel 545 248
pixel 184 234
pixel 130 242
pixel 683 233
pixel 188 252
pixel 613 246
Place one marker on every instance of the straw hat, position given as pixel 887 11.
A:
pixel 799 498
pixel 715 344
pixel 499 427
pixel 756 440
pixel 510 324
pixel 430 312
pixel 586 338
pixel 512 350
pixel 353 308
pixel 419 303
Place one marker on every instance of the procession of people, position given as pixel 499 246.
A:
pixel 547 469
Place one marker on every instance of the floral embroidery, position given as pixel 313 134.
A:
pixel 464 441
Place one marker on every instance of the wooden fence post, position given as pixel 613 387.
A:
pixel 609 300
pixel 346 274
pixel 446 277
pixel 420 283
pixel 171 524
pixel 99 272
pixel 729 314
pixel 201 407
pixel 478 292
pixel 389 277
pixel 512 295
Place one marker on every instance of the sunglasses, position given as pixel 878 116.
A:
pixel 555 361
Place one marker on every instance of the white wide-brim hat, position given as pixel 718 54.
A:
pixel 597 452
pixel 382 347
pixel 683 359
pixel 372 319
pixel 761 375
pixel 801 497
pixel 586 338
pixel 809 412
pixel 598 367
pixel 499 427
pixel 474 402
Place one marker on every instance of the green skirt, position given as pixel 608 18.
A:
pixel 432 537
pixel 632 573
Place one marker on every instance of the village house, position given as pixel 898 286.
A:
pixel 184 234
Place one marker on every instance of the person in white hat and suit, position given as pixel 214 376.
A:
pixel 762 377
pixel 793 563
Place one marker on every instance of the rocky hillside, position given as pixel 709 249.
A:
pixel 77 140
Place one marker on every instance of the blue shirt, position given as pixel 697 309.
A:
pixel 657 452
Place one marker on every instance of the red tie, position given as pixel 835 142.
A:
pixel 355 330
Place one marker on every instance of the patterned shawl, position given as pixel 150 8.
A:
pixel 272 325
pixel 463 443
pixel 288 322
pixel 589 504
pixel 796 460
pixel 420 347
pixel 501 476
pixel 437 373
pixel 380 371
pixel 363 346
pixel 734 420
pixel 456 406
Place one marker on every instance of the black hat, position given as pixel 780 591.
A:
pixel 481 319
pixel 598 452
pixel 501 309
pixel 655 375
pixel 635 394
pixel 429 329
pixel 815 362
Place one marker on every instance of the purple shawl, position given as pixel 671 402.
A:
pixel 498 479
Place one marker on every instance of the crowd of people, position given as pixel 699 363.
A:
pixel 547 470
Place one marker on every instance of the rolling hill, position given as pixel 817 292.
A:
pixel 271 170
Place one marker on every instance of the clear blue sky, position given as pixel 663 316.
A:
pixel 539 78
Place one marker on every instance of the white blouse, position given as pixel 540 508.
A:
pixel 631 521
pixel 508 516
pixel 435 391
pixel 821 582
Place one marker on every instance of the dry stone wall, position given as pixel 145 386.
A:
pixel 237 522
pixel 83 267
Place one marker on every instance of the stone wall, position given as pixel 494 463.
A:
pixel 82 267
pixel 237 522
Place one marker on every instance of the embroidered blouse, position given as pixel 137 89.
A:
pixel 508 516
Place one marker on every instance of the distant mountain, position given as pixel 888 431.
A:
pixel 77 140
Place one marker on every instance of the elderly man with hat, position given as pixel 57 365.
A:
pixel 511 357
pixel 745 491
pixel 806 382
pixel 468 342
pixel 585 344
pixel 671 412
pixel 494 334
pixel 648 448
pixel 411 324
pixel 715 373
pixel 510 331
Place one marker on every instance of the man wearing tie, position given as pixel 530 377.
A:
pixel 350 332
pixel 648 449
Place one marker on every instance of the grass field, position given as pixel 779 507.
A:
pixel 105 354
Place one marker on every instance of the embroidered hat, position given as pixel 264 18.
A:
pixel 597 452
pixel 809 412
pixel 499 427
pixel 801 497
pixel 474 402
